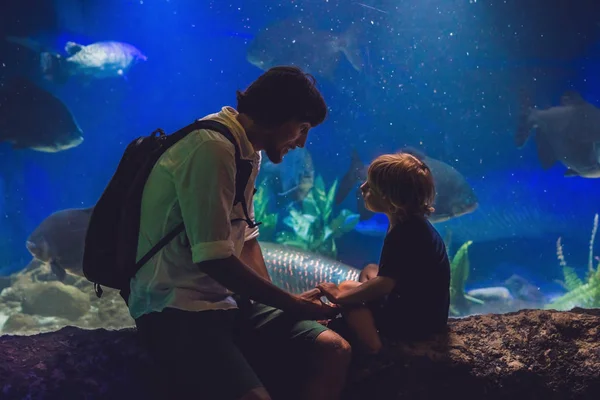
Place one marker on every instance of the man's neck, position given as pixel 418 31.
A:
pixel 254 136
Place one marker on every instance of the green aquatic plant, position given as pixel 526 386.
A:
pixel 313 228
pixel 459 273
pixel 580 292
pixel 261 214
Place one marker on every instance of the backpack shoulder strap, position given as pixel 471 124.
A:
pixel 243 173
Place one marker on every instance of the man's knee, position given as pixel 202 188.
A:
pixel 256 394
pixel 331 346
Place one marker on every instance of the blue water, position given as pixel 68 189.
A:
pixel 442 76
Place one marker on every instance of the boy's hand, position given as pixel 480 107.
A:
pixel 329 290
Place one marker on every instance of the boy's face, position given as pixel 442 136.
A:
pixel 285 138
pixel 374 201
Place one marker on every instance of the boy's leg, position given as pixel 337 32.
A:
pixel 295 359
pixel 197 356
pixel 368 272
pixel 361 323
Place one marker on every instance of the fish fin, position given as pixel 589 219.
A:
pixel 569 173
pixel 545 152
pixel 58 271
pixel 19 145
pixel 73 48
pixel 350 178
pixel 525 123
pixel 26 42
pixel 349 45
pixel 363 213
pixel 571 98
pixel 33 264
pixel 289 191
pixel 52 66
pixel 413 151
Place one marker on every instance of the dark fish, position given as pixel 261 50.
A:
pixel 298 271
pixel 568 133
pixel 536 206
pixel 291 179
pixel 108 59
pixel 59 240
pixel 454 195
pixel 295 42
pixel 31 117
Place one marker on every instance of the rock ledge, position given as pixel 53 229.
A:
pixel 530 354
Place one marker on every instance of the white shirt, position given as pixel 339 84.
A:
pixel 193 182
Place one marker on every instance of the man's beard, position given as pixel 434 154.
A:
pixel 273 154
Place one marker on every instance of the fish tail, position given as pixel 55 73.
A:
pixel 349 45
pixel 53 67
pixel 352 176
pixel 524 125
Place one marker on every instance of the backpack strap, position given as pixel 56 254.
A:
pixel 243 173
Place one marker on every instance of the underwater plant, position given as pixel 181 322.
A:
pixel 313 227
pixel 459 272
pixel 580 293
pixel 261 214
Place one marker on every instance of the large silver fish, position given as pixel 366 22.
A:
pixel 59 239
pixel 298 271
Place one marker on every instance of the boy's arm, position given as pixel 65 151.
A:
pixel 372 289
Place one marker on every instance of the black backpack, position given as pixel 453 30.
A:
pixel 111 241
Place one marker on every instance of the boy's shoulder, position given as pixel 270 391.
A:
pixel 417 232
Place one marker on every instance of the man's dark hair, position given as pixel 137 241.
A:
pixel 280 95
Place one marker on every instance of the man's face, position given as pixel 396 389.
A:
pixel 285 138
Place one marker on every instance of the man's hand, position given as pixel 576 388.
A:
pixel 313 308
pixel 313 294
pixel 329 290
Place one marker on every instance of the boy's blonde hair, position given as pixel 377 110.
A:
pixel 405 182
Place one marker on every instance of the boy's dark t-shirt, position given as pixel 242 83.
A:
pixel 415 256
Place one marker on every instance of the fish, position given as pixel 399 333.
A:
pixel 494 293
pixel 292 179
pixel 33 118
pixel 568 133
pixel 99 60
pixel 533 205
pixel 296 42
pixel 298 271
pixel 454 195
pixel 58 241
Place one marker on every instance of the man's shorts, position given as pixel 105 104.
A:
pixel 223 354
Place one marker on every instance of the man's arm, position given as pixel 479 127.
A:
pixel 205 182
pixel 370 290
pixel 253 257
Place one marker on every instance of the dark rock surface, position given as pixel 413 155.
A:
pixel 530 354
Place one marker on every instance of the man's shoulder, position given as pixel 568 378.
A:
pixel 199 145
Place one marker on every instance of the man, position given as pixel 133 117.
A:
pixel 213 345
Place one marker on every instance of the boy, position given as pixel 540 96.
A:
pixel 409 295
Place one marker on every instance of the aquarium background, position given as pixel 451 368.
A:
pixel 445 77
